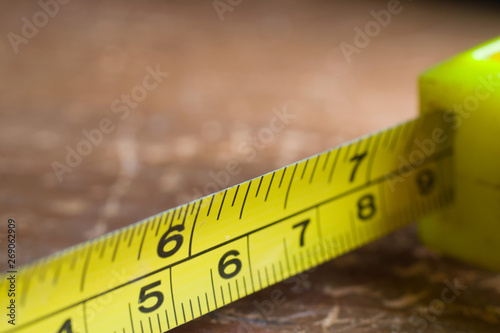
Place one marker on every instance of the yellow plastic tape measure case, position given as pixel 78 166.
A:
pixel 469 85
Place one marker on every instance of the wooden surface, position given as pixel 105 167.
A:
pixel 226 81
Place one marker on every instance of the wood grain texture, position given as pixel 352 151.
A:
pixel 212 116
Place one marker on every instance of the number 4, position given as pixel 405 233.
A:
pixel 303 225
pixel 66 327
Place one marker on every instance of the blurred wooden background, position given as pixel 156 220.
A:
pixel 227 74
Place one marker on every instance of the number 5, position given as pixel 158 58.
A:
pixel 143 296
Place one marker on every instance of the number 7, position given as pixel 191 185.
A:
pixel 302 224
pixel 358 159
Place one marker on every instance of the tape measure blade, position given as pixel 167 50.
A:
pixel 178 265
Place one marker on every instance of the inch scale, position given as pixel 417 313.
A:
pixel 178 265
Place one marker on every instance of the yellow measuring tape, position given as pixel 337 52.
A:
pixel 178 265
pixel 181 264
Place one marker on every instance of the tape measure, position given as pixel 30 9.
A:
pixel 181 264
